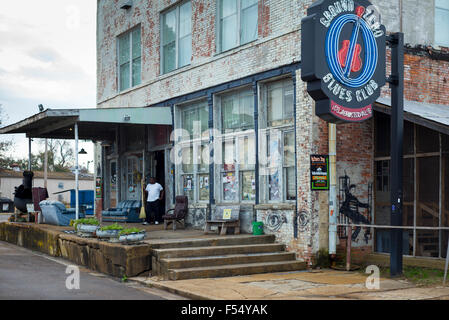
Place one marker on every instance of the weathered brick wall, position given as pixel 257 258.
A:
pixel 426 79
pixel 278 44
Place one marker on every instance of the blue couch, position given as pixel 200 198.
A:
pixel 126 211
pixel 55 213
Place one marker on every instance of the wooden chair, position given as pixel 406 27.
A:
pixel 224 217
pixel 179 213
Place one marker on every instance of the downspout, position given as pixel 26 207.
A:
pixel 333 212
pixel 295 222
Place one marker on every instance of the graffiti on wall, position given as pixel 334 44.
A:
pixel 303 221
pixel 274 221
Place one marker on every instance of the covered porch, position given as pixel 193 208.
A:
pixel 131 144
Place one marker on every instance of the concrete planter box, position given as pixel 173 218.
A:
pixel 132 238
pixel 108 235
pixel 86 230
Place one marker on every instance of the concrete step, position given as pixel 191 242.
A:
pixel 234 270
pixel 213 241
pixel 216 250
pixel 193 262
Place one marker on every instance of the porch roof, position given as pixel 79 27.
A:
pixel 432 116
pixel 93 124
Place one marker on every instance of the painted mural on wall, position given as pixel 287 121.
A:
pixel 351 208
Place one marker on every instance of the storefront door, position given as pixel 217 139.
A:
pixel 133 174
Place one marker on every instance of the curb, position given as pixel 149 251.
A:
pixel 183 293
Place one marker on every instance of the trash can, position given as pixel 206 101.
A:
pixel 258 228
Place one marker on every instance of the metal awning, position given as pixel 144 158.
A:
pixel 432 116
pixel 93 124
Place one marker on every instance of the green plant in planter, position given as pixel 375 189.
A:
pixel 114 226
pixel 89 221
pixel 130 231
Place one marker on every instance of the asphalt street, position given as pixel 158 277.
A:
pixel 26 275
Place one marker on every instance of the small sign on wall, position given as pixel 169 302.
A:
pixel 319 172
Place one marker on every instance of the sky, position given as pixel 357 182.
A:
pixel 48 57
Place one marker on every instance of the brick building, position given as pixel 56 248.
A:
pixel 230 72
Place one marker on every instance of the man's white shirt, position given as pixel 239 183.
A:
pixel 154 191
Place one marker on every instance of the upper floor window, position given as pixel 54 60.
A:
pixel 176 37
pixel 129 59
pixel 238 22
pixel 442 23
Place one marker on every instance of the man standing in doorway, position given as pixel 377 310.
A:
pixel 154 193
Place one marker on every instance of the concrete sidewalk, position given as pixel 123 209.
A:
pixel 304 285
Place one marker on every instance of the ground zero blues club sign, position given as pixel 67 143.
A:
pixel 343 58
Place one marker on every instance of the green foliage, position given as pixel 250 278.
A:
pixel 89 221
pixel 130 231
pixel 114 226
pixel 124 278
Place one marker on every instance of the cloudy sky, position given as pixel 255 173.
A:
pixel 47 56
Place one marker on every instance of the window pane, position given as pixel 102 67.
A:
pixel 249 24
pixel 136 71
pixel 274 104
pixel 290 183
pixel 230 113
pixel 288 100
pixel 203 158
pixel 169 27
pixel 185 38
pixel 136 43
pixel 188 186
pixel 124 76
pixel 248 186
pixel 185 51
pixel 442 25
pixel 289 149
pixel 169 57
pixel 229 33
pixel 230 186
pixel 247 149
pixel 187 160
pixel 274 185
pixel 185 20
pixel 204 186
pixel 229 155
pixel 124 49
pixel 204 119
pixel 247 110
pixel 228 8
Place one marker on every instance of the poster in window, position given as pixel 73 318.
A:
pixel 319 172
pixel 229 186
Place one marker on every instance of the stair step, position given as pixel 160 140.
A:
pixel 192 262
pixel 217 250
pixel 215 241
pixel 235 270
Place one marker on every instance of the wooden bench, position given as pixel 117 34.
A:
pixel 224 217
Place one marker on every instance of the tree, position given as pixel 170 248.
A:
pixel 5 146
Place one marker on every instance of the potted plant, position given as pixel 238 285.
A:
pixel 110 233
pixel 86 227
pixel 131 236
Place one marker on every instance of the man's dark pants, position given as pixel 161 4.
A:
pixel 152 210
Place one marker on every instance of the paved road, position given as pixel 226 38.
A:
pixel 28 275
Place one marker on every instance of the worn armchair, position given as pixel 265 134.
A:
pixel 179 213
pixel 55 213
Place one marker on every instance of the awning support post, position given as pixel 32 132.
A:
pixel 76 173
pixel 29 154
